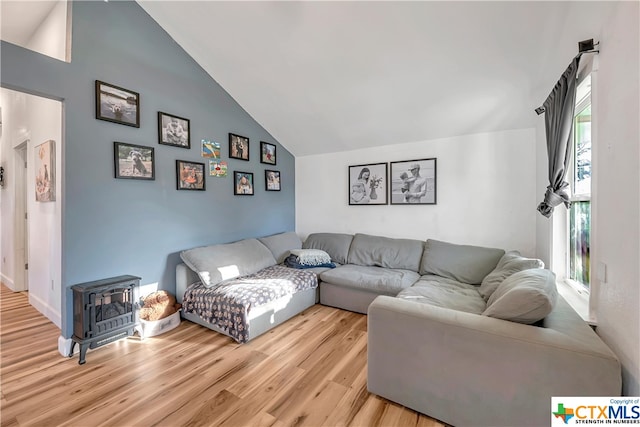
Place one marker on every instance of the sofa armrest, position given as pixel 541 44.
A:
pixel 468 369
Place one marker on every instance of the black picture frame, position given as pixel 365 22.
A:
pixel 238 147
pixel 267 153
pixel 368 184
pixel 174 130
pixel 243 184
pixel 133 161
pixel 190 175
pixel 410 177
pixel 272 180
pixel 117 105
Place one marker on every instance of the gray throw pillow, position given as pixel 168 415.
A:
pixel 464 263
pixel 524 297
pixel 335 244
pixel 227 261
pixel 510 263
pixel 281 244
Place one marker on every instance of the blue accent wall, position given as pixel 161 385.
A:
pixel 118 226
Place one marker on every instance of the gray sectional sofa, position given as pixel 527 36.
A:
pixel 465 334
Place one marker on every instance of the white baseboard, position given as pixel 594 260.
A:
pixel 43 307
pixel 64 346
pixel 8 282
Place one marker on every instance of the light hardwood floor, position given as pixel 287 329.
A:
pixel 310 371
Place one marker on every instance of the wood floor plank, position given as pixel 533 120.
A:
pixel 309 371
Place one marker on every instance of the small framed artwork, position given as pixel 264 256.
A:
pixel 238 147
pixel 242 183
pixel 133 161
pixel 46 171
pixel 368 184
pixel 218 168
pixel 272 180
pixel 413 182
pixel 210 149
pixel 173 130
pixel 267 153
pixel 190 175
pixel 116 104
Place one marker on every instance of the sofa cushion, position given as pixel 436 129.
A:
pixel 386 252
pixel 335 244
pixel 447 293
pixel 383 281
pixel 226 261
pixel 525 297
pixel 510 263
pixel 464 263
pixel 281 244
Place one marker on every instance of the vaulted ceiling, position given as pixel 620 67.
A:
pixel 335 76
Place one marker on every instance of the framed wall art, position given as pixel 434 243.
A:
pixel 413 182
pixel 190 175
pixel 45 167
pixel 133 161
pixel 174 130
pixel 368 184
pixel 210 149
pixel 238 147
pixel 116 104
pixel 267 153
pixel 272 180
pixel 242 183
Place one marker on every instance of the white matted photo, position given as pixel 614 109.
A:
pixel 413 182
pixel 368 184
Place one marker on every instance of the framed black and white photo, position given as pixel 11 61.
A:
pixel 267 153
pixel 242 183
pixel 133 161
pixel 190 175
pixel 116 104
pixel 413 182
pixel 272 180
pixel 368 184
pixel 238 147
pixel 174 130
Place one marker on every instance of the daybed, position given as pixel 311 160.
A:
pixel 238 289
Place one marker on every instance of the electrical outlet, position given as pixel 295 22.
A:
pixel 602 272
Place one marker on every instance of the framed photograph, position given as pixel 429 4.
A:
pixel 45 171
pixel 413 182
pixel 272 180
pixel 267 153
pixel 368 184
pixel 133 161
pixel 173 130
pixel 190 175
pixel 242 183
pixel 116 104
pixel 238 147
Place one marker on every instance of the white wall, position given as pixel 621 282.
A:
pixel 38 119
pixel 616 202
pixel 51 36
pixel 485 189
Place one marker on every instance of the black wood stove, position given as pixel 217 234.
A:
pixel 103 312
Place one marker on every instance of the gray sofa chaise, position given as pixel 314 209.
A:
pixel 465 334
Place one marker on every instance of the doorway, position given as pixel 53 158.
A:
pixel 21 236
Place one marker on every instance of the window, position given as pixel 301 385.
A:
pixel 580 212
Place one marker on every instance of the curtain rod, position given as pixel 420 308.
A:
pixel 585 46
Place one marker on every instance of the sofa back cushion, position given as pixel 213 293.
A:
pixel 281 244
pixel 385 252
pixel 525 297
pixel 464 263
pixel 226 261
pixel 510 263
pixel 335 244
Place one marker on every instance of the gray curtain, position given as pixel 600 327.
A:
pixel 559 109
